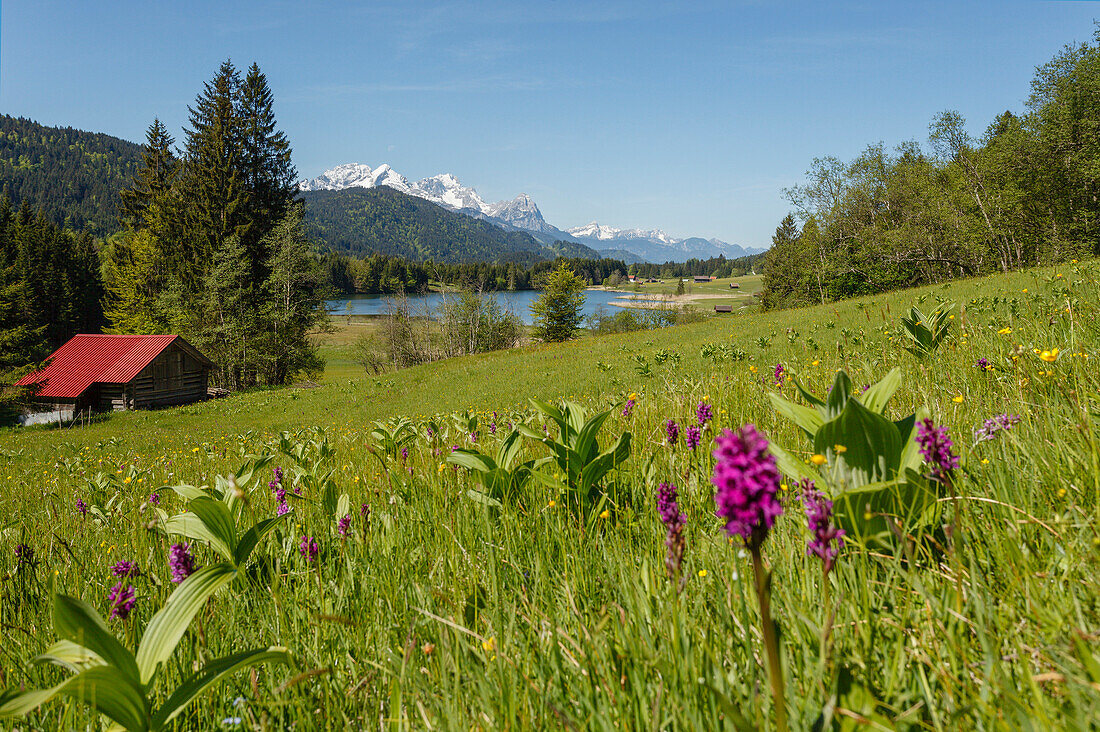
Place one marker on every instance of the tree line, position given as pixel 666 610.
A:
pixel 1024 193
pixel 215 247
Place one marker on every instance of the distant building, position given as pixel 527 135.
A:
pixel 107 373
pixel 735 286
pixel 702 278
pixel 723 308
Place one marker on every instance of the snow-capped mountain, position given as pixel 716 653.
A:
pixel 655 245
pixel 444 190
pixel 522 213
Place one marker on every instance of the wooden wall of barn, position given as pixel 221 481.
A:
pixel 173 377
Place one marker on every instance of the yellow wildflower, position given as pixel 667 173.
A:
pixel 818 460
pixel 605 514
pixel 1004 331
pixel 840 449
pixel 1049 356
pixel 702 573
pixel 959 399
pixel 489 645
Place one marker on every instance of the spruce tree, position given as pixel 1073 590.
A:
pixel 213 188
pixel 266 168
pixel 143 202
pixel 557 312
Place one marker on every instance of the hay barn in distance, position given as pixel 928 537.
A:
pixel 105 373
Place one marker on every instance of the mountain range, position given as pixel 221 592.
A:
pixel 523 214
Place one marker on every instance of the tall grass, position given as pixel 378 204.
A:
pixel 441 612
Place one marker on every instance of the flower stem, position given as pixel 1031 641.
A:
pixel 771 643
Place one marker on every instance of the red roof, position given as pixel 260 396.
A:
pixel 99 359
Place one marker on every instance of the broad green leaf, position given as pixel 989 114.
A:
pixel 790 465
pixel 586 446
pixel 72 656
pixel 594 472
pixel 472 460
pixel 254 536
pixel 838 395
pixel 343 506
pixel 479 497
pixel 167 627
pixel 190 492
pixel 509 449
pixel 103 688
pixel 809 420
pixel 873 446
pixel 211 674
pixel 879 394
pixel 77 621
pixel 217 519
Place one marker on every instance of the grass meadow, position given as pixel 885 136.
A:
pixel 434 609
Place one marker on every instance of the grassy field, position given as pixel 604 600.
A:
pixel 439 610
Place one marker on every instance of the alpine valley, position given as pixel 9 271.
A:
pixel 523 214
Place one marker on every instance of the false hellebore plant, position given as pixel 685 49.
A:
pixel 118 683
pixel 868 464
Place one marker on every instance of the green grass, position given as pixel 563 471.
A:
pixel 444 613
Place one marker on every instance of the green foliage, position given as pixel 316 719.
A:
pixel 73 177
pixel 363 221
pixel 927 332
pixel 871 462
pixel 576 450
pixel 500 478
pixel 1021 194
pixel 118 683
pixel 557 312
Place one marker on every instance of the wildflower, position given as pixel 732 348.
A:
pixel 181 562
pixel 605 514
pixel 552 503
pixel 122 600
pixel 984 364
pixel 628 407
pixel 692 436
pixel 282 509
pixel 473 436
pixel 936 446
pixel 746 482
pixel 819 516
pixel 492 428
pixel 672 431
pixel 959 399
pixel 364 510
pixel 704 413
pixel 404 453
pixel 993 425
pixel 1004 331
pixel 125 569
pixel 154 499
pixel 308 548
pixel 818 459
pixel 81 507
pixel 1049 356
pixel 840 449
pixel 702 573
pixel 674 521
pixel 24 556
pixel 815 363
pixel 489 645
pixel 343 524
pixel 779 371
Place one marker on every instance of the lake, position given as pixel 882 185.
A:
pixel 518 302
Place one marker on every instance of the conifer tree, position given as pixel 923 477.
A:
pixel 213 188
pixel 143 202
pixel 557 312
pixel 266 168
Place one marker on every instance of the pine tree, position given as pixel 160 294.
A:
pixel 213 188
pixel 557 312
pixel 266 168
pixel 143 203
pixel 134 274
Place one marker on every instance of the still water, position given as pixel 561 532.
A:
pixel 518 302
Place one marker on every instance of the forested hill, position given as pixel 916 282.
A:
pixel 361 221
pixel 73 176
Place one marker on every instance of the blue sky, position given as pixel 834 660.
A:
pixel 686 116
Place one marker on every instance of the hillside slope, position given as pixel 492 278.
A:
pixel 360 221
pixel 72 175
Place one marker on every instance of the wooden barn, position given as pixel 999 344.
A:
pixel 103 373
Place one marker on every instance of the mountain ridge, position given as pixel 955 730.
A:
pixel 522 214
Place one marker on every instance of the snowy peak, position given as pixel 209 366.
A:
pixel 598 231
pixel 444 190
